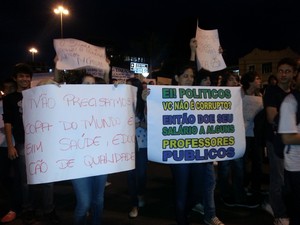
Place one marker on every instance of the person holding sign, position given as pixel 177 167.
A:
pixel 89 191
pixel 185 175
pixel 202 79
pixel 23 197
pixel 137 178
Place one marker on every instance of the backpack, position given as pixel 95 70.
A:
pixel 277 140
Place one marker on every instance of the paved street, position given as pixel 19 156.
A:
pixel 158 209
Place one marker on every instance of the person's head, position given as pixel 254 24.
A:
pixel 140 104
pixel 203 77
pixel 230 79
pixel 99 80
pixel 88 79
pixel 272 80
pixel 185 75
pixel 144 85
pixel 22 74
pixel 219 80
pixel 286 70
pixel 251 79
pixel 135 82
pixel 8 86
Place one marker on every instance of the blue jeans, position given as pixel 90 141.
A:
pixel 185 177
pixel 236 168
pixel 276 183
pixel 89 192
pixel 137 178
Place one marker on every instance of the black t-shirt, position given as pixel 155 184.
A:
pixel 13 114
pixel 273 97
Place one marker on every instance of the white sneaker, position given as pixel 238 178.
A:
pixel 199 208
pixel 133 213
pixel 267 207
pixel 213 221
pixel 281 221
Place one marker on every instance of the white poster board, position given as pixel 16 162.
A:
pixel 194 124
pixel 121 74
pixel 74 54
pixel 75 131
pixel 208 53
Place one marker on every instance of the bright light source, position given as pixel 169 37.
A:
pixel 61 10
pixel 33 51
pixel 145 74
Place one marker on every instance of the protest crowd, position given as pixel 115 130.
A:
pixel 229 170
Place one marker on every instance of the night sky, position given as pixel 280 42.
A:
pixel 159 28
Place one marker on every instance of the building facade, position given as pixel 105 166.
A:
pixel 264 61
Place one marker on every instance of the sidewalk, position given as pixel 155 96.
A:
pixel 158 209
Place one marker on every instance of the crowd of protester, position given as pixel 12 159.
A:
pixel 238 181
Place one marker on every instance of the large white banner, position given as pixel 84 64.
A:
pixel 208 50
pixel 75 131
pixel 74 54
pixel 195 124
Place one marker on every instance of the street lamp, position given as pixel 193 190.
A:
pixel 33 51
pixel 61 10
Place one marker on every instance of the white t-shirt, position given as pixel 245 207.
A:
pixel 287 125
pixel 2 134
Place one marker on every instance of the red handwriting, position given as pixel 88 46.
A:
pixel 73 100
pixel 33 148
pixel 43 102
pixel 37 167
pixel 65 163
pixel 101 123
pixel 123 139
pixel 88 61
pixel 111 102
pixel 73 144
pixel 37 127
pixel 91 161
pixel 69 125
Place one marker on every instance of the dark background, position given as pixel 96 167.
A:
pixel 157 29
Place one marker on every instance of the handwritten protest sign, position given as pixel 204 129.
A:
pixel 74 54
pixel 121 74
pixel 208 55
pixel 77 131
pixel 195 124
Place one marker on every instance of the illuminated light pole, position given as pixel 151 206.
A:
pixel 33 51
pixel 61 10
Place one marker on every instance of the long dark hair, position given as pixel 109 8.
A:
pixel 140 103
